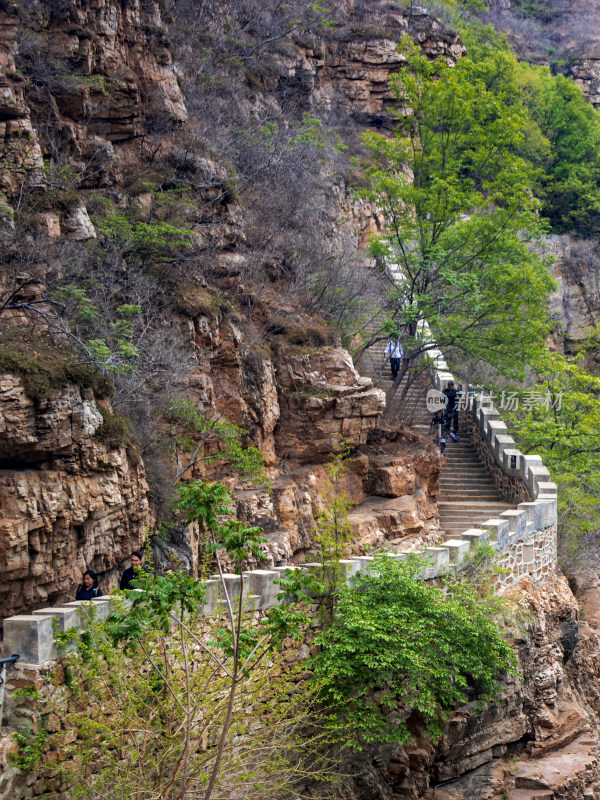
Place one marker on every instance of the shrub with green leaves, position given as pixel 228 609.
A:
pixel 398 644
pixel 165 703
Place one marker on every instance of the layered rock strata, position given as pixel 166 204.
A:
pixel 68 502
pixel 107 67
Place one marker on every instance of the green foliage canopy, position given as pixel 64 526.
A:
pixel 209 440
pixel 462 259
pixel 561 132
pixel 566 150
pixel 397 644
pixel 558 420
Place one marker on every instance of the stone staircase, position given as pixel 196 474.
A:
pixel 468 496
pixel 410 408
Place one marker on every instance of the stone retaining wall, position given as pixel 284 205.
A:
pixel 534 556
pixel 521 479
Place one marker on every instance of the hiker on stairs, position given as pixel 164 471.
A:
pixel 395 352
pixel 451 410
pixel 437 429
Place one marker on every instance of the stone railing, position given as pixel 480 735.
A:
pixel 33 635
pixel 525 538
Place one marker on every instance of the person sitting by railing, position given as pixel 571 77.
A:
pixel 132 572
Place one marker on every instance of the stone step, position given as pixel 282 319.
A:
pixel 456 529
pixel 456 455
pixel 452 457
pixel 462 509
pixel 458 497
pixel 454 460
pixel 468 519
pixel 453 464
pixel 473 466
pixel 461 525
pixel 465 474
pixel 488 511
pixel 457 480
pixel 470 488
pixel 471 521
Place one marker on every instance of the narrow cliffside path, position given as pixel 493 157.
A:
pixel 468 495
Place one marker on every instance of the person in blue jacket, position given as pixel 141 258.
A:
pixel 89 588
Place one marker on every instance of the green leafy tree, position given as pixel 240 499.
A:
pixel 334 531
pixel 563 144
pixel 205 503
pixel 555 417
pixel 398 644
pixel 461 219
pixel 176 690
pixel 560 134
pixel 152 241
pixel 204 440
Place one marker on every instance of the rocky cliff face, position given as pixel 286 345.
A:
pixel 68 501
pixel 576 302
pixel 562 31
pixel 90 106
pixel 82 81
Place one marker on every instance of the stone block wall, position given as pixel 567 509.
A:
pixel 534 556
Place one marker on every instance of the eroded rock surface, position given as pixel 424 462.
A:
pixel 68 502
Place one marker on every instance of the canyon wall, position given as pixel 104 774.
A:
pixel 92 106
pixel 68 501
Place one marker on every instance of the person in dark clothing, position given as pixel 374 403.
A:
pixel 451 410
pixel 89 588
pixel 132 572
pixel 437 429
